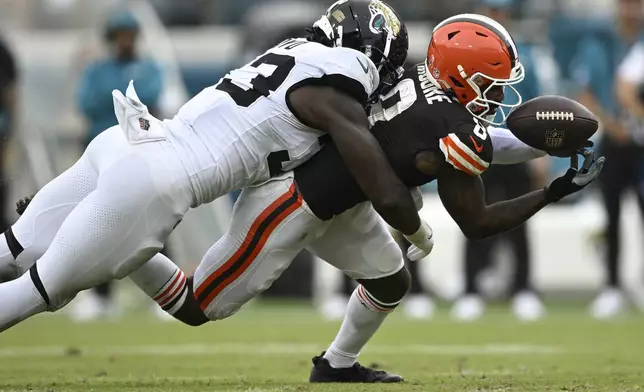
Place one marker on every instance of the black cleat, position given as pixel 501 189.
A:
pixel 323 372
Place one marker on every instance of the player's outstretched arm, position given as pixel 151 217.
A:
pixel 345 119
pixel 463 196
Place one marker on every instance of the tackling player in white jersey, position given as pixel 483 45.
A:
pixel 428 133
pixel 115 207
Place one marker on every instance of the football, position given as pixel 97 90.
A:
pixel 553 123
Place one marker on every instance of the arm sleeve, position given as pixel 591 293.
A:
pixel 631 69
pixel 509 150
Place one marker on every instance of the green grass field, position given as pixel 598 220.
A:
pixel 268 348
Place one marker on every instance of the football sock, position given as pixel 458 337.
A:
pixel 162 281
pixel 364 316
pixel 19 299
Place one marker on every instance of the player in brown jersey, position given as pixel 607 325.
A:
pixel 433 125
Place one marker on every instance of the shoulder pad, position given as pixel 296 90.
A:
pixel 353 68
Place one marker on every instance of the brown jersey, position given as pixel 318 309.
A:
pixel 416 116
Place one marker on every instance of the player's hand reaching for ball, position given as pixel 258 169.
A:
pixel 422 242
pixel 575 179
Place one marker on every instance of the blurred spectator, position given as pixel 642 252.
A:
pixel 630 94
pixel 594 67
pixel 95 102
pixel 8 101
pixel 630 88
pixel 114 72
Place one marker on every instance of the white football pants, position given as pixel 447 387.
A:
pixel 104 217
pixel 271 224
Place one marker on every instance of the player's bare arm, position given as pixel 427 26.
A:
pixel 463 195
pixel 342 117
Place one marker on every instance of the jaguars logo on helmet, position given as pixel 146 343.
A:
pixel 370 26
pixel 383 17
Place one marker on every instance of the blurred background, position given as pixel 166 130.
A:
pixel 60 60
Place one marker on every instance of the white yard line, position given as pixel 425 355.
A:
pixel 268 348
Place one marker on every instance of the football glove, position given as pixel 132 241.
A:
pixel 575 179
pixel 422 242
pixel 22 204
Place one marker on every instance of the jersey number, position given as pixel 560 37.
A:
pixel 275 160
pixel 401 98
pixel 262 86
pixel 480 131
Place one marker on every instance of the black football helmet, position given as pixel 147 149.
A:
pixel 373 28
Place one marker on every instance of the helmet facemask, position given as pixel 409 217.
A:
pixel 485 107
pixel 389 65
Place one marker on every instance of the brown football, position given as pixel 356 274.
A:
pixel 553 123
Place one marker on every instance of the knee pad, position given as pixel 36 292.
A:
pixel 390 289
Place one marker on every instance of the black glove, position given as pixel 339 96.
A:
pixel 575 180
pixel 22 204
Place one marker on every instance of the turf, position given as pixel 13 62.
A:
pixel 268 348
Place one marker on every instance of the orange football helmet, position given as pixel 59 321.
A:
pixel 473 58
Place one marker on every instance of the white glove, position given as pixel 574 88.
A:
pixel 422 242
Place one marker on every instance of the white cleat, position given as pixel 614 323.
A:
pixel 608 304
pixel 419 307
pixel 335 307
pixel 527 306
pixel 468 308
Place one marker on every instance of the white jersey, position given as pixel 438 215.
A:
pixel 241 131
